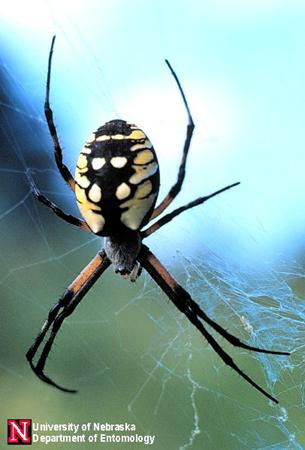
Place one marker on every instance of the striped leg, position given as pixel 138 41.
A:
pixel 61 310
pixel 183 301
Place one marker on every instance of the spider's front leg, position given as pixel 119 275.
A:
pixel 60 311
pixel 183 301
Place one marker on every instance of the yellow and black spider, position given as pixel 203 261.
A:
pixel 116 187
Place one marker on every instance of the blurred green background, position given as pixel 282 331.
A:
pixel 128 351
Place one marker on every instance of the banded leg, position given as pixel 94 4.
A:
pixel 60 311
pixel 183 301
pixel 168 217
pixel 63 169
pixel 59 212
pixel 174 191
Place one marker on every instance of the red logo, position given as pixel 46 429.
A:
pixel 19 431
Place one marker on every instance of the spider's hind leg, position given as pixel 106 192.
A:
pixel 168 217
pixel 62 168
pixel 58 211
pixel 176 188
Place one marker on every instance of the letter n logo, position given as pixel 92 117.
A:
pixel 19 431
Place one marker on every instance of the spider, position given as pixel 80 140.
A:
pixel 116 186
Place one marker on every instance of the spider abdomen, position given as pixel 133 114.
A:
pixel 117 179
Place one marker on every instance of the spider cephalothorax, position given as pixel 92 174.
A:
pixel 116 186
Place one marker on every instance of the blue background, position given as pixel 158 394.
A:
pixel 132 356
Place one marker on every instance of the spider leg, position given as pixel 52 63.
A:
pixel 174 191
pixel 168 217
pixel 63 169
pixel 183 301
pixel 59 212
pixel 60 311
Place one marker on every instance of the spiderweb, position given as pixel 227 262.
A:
pixel 132 356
